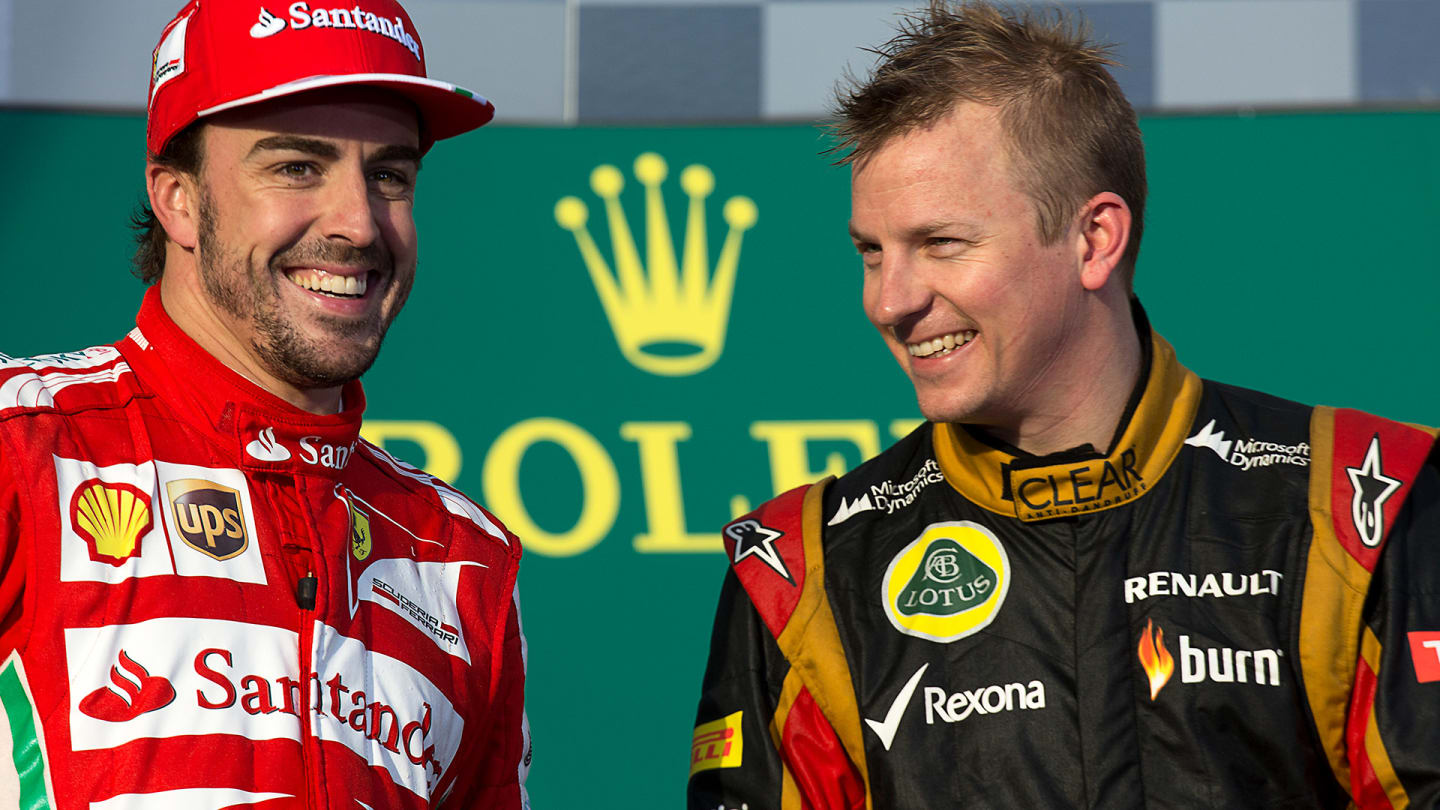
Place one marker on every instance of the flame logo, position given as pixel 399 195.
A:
pixel 134 697
pixel 111 518
pixel 1155 659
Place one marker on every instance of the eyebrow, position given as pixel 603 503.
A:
pixel 397 152
pixel 936 225
pixel 295 143
pixel 325 149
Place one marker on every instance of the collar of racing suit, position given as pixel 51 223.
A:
pixel 1152 430
pixel 264 432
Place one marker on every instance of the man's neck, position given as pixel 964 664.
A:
pixel 1089 403
pixel 192 311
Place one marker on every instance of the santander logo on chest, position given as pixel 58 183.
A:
pixel 268 446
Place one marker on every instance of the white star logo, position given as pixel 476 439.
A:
pixel 755 540
pixel 1372 488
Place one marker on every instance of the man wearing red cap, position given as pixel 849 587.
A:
pixel 213 593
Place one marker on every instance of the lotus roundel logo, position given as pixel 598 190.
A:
pixel 668 314
pixel 949 583
pixel 134 691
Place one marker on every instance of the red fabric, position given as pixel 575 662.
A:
pixel 223 51
pixel 153 502
pixel 775 597
pixel 1403 450
pixel 826 777
pixel 1426 658
pixel 1365 787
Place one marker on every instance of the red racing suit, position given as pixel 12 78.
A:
pixel 1236 605
pixel 212 599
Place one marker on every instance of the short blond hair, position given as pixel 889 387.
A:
pixel 1072 133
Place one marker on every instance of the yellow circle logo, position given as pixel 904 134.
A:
pixel 947 584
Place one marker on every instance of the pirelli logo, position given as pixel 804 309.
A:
pixel 717 744
pixel 209 517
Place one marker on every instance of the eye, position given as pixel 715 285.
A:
pixel 944 246
pixel 390 181
pixel 299 170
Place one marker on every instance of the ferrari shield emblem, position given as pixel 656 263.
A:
pixel 360 543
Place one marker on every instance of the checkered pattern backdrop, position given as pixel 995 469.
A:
pixel 600 61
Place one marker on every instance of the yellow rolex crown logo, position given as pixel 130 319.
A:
pixel 668 316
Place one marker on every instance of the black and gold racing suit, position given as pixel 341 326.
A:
pixel 1237 606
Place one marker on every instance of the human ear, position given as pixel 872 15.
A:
pixel 1104 232
pixel 174 197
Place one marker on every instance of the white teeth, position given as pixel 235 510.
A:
pixel 321 281
pixel 942 345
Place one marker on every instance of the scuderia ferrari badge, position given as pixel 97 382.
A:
pixel 947 584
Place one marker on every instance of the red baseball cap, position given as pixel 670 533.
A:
pixel 220 54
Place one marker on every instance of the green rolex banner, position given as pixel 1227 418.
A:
pixel 621 338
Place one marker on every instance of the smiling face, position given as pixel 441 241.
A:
pixel 305 245
pixel 975 308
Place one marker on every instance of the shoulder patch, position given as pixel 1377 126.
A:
pixel 1374 464
pixel 455 502
pixel 766 548
pixel 30 383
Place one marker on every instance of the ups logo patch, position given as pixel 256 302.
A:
pixel 209 517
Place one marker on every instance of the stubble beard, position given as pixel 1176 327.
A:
pixel 253 294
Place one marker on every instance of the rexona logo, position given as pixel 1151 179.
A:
pixel 889 496
pixel 955 707
pixel 669 317
pixel 1204 664
pixel 302 17
pixel 717 744
pixel 210 517
pixel 1247 454
pixel 948 583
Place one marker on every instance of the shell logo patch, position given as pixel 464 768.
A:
pixel 948 583
pixel 111 518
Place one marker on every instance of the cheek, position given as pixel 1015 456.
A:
pixel 397 222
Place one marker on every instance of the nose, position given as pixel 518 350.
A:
pixel 894 291
pixel 350 213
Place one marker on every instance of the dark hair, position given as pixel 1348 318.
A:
pixel 183 153
pixel 1072 133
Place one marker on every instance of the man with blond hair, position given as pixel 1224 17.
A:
pixel 1090 578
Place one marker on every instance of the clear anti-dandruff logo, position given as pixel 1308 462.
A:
pixel 668 316
pixel 948 583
